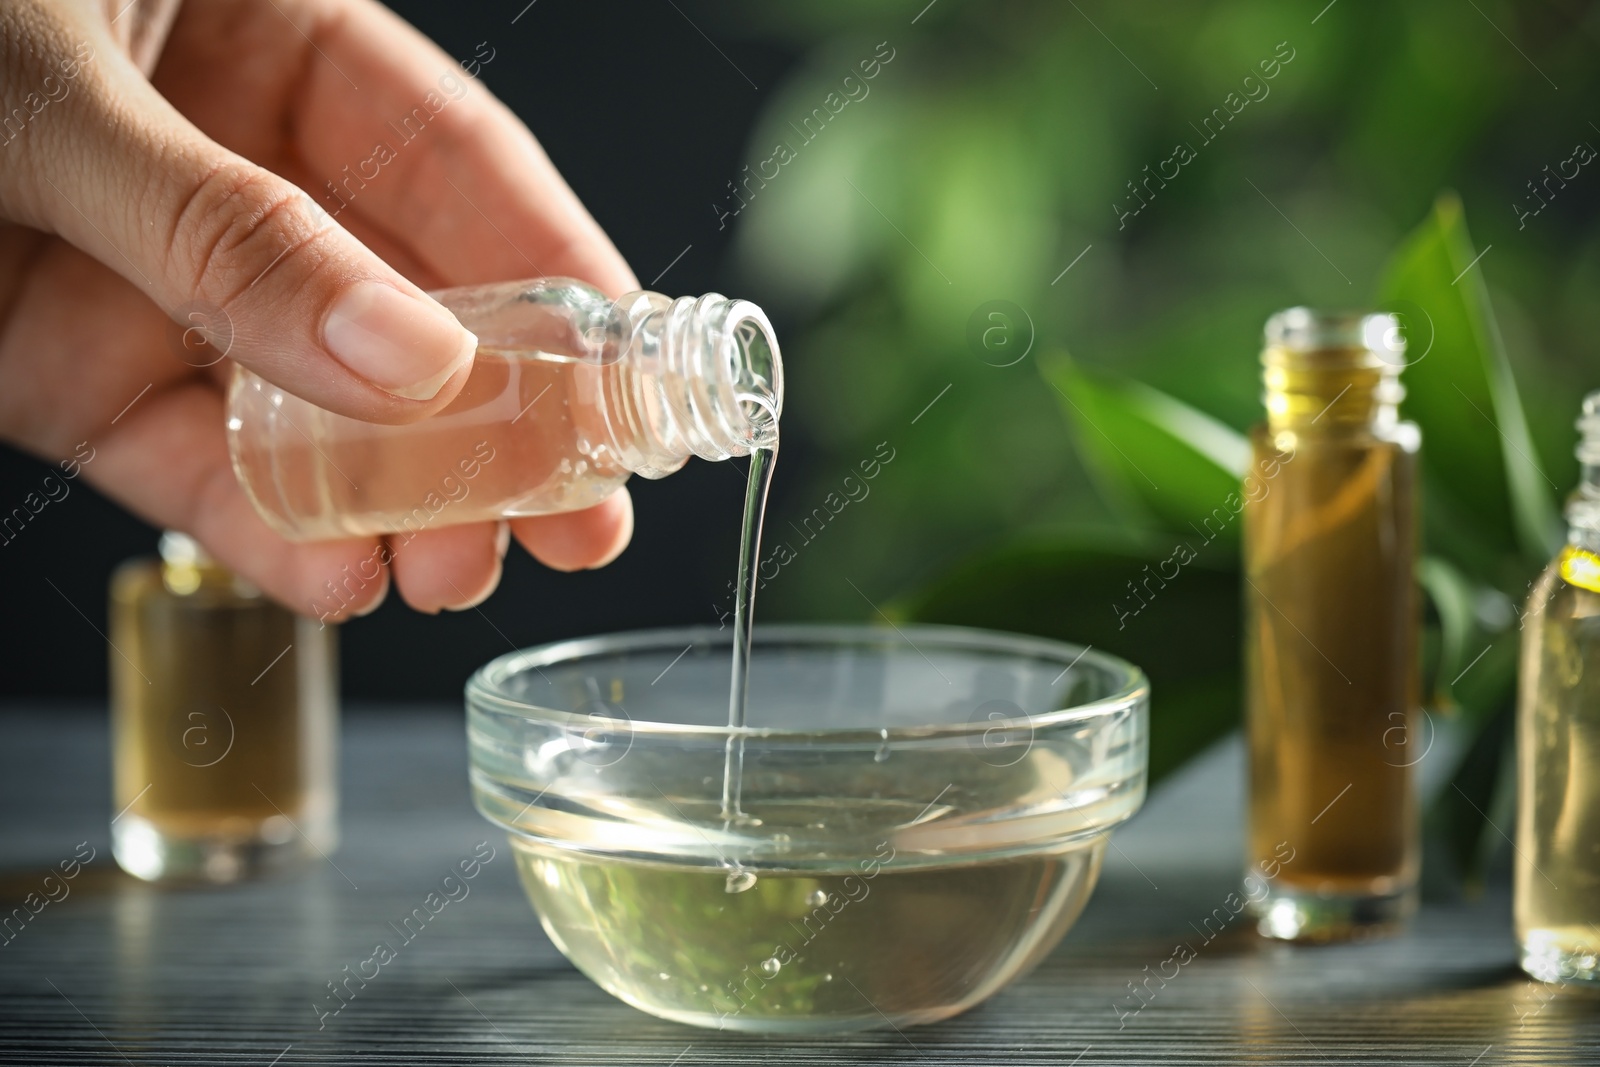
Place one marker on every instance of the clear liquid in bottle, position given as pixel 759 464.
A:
pixel 1558 833
pixel 569 394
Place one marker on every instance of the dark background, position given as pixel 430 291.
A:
pixel 1432 158
pixel 647 123
pixel 992 165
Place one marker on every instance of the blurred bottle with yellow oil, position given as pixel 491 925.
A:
pixel 1332 617
pixel 1558 743
pixel 224 720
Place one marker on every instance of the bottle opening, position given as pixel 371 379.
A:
pixel 761 417
pixel 1310 332
pixel 756 368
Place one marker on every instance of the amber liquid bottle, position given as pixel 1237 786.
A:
pixel 223 723
pixel 1558 744
pixel 1331 618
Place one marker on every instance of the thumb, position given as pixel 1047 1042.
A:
pixel 247 257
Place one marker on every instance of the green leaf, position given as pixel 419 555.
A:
pixel 1184 632
pixel 1459 387
pixel 1488 681
pixel 1452 596
pixel 1469 813
pixel 1156 458
pixel 1475 677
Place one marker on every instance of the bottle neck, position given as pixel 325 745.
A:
pixel 700 376
pixel 669 379
pixel 1331 390
pixel 1332 373
pixel 1583 506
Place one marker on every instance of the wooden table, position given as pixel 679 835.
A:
pixel 119 972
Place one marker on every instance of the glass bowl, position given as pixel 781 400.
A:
pixel 915 817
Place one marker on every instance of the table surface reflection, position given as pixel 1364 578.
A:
pixel 125 973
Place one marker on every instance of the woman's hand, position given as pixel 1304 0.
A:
pixel 283 179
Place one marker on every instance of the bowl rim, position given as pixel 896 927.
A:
pixel 482 693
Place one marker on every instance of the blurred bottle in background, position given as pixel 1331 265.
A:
pixel 1331 620
pixel 1558 743
pixel 224 720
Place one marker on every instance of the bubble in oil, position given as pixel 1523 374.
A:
pixel 817 899
pixel 770 966
pixel 739 880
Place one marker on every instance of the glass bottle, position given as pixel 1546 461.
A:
pixel 1331 620
pixel 223 723
pixel 1558 743
pixel 569 394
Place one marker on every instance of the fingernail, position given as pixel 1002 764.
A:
pixel 377 601
pixel 404 345
pixel 480 596
pixel 502 538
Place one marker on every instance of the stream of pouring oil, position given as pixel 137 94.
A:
pixel 762 462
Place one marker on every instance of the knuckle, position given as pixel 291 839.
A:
pixel 45 64
pixel 237 223
pixel 466 130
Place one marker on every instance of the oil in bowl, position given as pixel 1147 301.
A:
pixel 919 819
